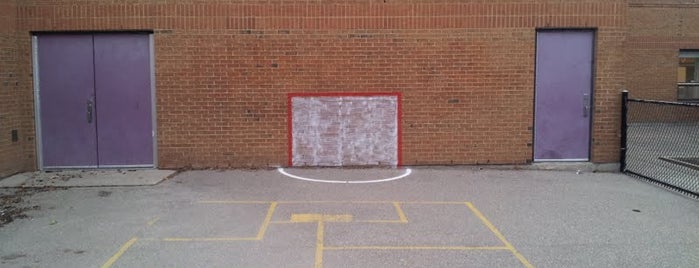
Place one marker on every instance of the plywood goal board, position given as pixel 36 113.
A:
pixel 344 129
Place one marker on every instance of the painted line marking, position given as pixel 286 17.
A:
pixel 331 202
pixel 260 233
pixel 282 222
pixel 121 251
pixel 265 223
pixel 399 211
pixel 153 221
pixel 497 233
pixel 320 217
pixel 232 202
pixel 319 245
pixel 338 202
pixel 283 172
pixel 435 202
pixel 379 221
pixel 415 248
pixel 208 239
pixel 401 214
pixel 397 205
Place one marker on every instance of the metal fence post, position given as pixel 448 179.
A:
pixel 624 112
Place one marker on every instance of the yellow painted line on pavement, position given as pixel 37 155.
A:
pixel 290 202
pixel 379 221
pixel 435 202
pixel 328 202
pixel 319 245
pixel 153 221
pixel 232 202
pixel 265 223
pixel 260 233
pixel 208 239
pixel 374 202
pixel 334 202
pixel 282 222
pixel 320 217
pixel 415 248
pixel 121 251
pixel 400 212
pixel 497 233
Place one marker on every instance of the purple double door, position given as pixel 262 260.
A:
pixel 564 63
pixel 95 100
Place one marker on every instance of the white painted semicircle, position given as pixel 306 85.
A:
pixel 283 172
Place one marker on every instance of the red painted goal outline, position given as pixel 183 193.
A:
pixel 399 116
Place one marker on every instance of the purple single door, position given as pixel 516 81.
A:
pixel 66 99
pixel 563 95
pixel 123 95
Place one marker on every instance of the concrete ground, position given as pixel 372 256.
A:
pixel 86 178
pixel 433 217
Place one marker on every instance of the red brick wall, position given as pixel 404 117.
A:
pixel 657 31
pixel 465 70
pixel 15 99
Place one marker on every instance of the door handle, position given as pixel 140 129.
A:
pixel 89 111
pixel 586 105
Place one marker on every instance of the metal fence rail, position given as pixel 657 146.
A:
pixel 660 143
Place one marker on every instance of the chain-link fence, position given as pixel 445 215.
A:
pixel 660 143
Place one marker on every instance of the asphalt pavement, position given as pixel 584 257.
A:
pixel 376 217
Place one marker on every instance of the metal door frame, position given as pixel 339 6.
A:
pixel 592 91
pixel 37 105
